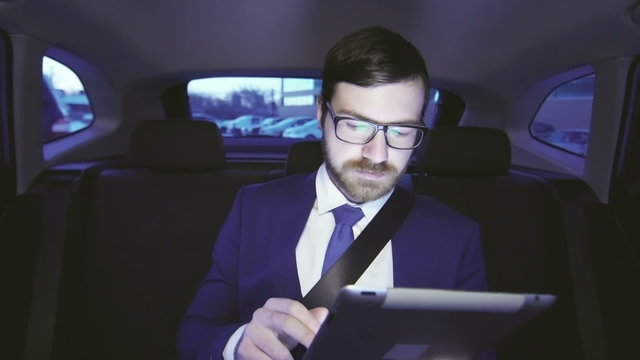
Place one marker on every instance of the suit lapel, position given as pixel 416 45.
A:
pixel 289 218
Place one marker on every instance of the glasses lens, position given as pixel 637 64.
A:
pixel 361 132
pixel 403 137
pixel 355 131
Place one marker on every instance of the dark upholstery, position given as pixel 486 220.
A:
pixel 141 239
pixel 177 145
pixel 144 244
pixel 522 231
pixel 304 156
pixel 464 151
pixel 148 245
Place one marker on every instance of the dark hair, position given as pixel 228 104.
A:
pixel 372 56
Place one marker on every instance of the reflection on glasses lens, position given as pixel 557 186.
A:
pixel 361 132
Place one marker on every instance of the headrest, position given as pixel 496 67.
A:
pixel 177 145
pixel 305 156
pixel 464 151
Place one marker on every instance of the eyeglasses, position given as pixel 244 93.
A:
pixel 356 131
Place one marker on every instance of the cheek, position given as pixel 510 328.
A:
pixel 339 152
pixel 399 158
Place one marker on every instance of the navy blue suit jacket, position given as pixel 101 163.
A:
pixel 254 258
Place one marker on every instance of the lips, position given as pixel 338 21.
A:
pixel 361 180
pixel 370 171
pixel 371 175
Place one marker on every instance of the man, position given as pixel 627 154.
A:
pixel 271 250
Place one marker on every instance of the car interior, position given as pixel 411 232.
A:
pixel 127 128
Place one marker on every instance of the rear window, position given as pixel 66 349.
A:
pixel 564 118
pixel 270 107
pixel 260 117
pixel 65 106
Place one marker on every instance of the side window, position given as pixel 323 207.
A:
pixel 65 106
pixel 564 118
pixel 259 106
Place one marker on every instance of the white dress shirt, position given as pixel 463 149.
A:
pixel 315 239
pixel 317 232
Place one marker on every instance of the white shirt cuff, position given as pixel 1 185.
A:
pixel 229 349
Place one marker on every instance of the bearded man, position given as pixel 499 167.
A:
pixel 273 247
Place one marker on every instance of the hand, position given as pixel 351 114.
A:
pixel 278 327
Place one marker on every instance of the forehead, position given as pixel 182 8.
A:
pixel 384 103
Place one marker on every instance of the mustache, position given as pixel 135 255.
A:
pixel 366 165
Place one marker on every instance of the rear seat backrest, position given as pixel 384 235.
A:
pixel 177 145
pixel 469 169
pixel 304 156
pixel 145 242
pixel 464 151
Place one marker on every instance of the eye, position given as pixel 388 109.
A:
pixel 357 126
pixel 400 132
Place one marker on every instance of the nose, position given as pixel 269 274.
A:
pixel 376 150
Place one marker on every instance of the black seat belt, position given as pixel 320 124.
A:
pixel 357 258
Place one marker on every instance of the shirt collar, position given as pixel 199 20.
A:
pixel 329 197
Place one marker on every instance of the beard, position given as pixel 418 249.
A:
pixel 356 188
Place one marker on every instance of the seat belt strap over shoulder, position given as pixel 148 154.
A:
pixel 357 258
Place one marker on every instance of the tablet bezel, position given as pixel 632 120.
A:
pixel 407 323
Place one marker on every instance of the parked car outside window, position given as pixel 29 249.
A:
pixel 276 130
pixel 242 125
pixel 564 117
pixel 573 140
pixel 242 106
pixel 309 130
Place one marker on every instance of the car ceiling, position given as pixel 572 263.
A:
pixel 497 45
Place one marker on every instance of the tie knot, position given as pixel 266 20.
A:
pixel 347 214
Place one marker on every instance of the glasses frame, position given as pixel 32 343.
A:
pixel 384 128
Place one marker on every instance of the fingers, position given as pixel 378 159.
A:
pixel 291 314
pixel 277 327
pixel 320 313
pixel 290 320
pixel 259 342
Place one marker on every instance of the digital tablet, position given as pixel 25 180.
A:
pixel 424 324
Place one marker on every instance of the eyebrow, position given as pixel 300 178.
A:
pixel 356 116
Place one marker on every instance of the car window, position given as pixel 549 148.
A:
pixel 257 106
pixel 266 107
pixel 65 105
pixel 564 118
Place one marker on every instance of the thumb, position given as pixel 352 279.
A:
pixel 320 313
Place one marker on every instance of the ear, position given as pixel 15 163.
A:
pixel 319 112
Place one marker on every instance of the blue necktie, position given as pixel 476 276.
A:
pixel 346 216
